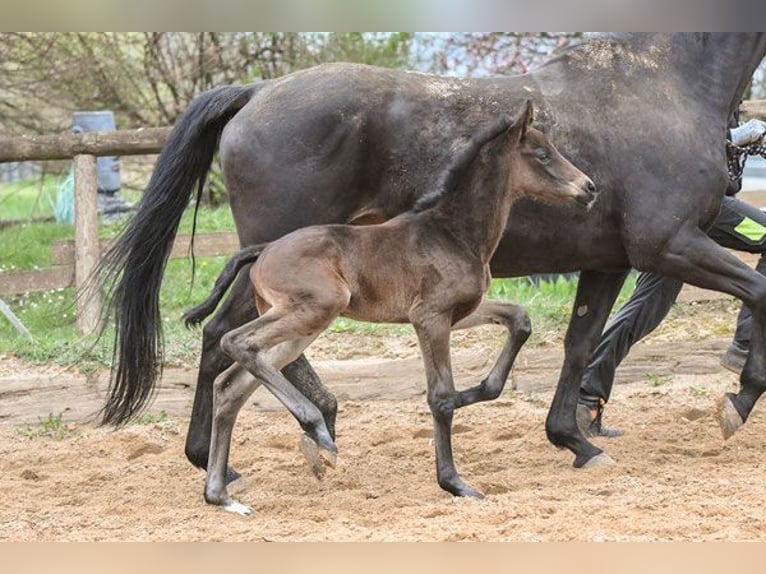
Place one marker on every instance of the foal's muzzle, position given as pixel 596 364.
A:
pixel 587 195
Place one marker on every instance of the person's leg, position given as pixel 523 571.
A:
pixel 647 307
pixel 740 226
pixel 745 318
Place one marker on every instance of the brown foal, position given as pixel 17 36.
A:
pixel 428 267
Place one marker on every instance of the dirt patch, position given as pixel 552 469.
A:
pixel 675 478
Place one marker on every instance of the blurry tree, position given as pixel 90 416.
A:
pixel 488 53
pixel 148 78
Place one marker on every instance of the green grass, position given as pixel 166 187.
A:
pixel 50 318
pixel 657 380
pixel 151 418
pixel 28 245
pixel 50 315
pixel 52 427
pixel 29 199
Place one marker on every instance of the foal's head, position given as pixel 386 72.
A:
pixel 504 160
pixel 539 171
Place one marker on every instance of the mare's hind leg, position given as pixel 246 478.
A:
pixel 236 310
pixel 515 319
pixel 433 336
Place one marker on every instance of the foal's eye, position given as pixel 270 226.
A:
pixel 542 154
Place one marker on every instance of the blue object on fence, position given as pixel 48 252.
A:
pixel 64 208
pixel 110 204
pixel 107 167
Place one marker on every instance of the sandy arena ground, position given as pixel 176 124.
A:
pixel 675 478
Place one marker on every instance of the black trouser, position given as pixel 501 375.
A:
pixel 739 226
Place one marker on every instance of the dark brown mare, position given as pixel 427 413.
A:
pixel 428 266
pixel 644 115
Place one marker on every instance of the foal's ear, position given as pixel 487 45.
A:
pixel 522 121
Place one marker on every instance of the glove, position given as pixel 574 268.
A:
pixel 748 133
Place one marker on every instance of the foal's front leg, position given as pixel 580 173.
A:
pixel 516 320
pixel 433 335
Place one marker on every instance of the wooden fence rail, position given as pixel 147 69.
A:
pixel 83 150
pixel 61 274
pixel 74 261
pixel 753 109
pixel 66 146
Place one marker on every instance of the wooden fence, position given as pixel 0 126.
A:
pixel 74 261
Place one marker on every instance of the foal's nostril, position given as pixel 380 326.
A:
pixel 590 187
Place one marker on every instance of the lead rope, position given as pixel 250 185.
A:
pixel 736 156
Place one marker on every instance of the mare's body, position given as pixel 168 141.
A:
pixel 644 115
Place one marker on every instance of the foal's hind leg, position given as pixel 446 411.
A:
pixel 236 310
pixel 433 335
pixel 263 347
pixel 516 320
pixel 231 391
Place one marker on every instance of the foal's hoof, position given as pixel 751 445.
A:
pixel 222 499
pixel 469 492
pixel 601 460
pixel 318 458
pixel 237 508
pixel 728 417
pixel 461 489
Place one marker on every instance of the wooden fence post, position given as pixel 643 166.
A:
pixel 86 242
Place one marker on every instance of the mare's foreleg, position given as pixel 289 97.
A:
pixel 515 319
pixel 596 293
pixel 695 258
pixel 236 310
pixel 433 336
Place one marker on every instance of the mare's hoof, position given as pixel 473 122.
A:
pixel 318 458
pixel 728 417
pixel 601 460
pixel 461 489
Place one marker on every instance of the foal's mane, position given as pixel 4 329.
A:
pixel 455 172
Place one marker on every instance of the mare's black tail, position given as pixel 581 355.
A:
pixel 132 269
pixel 246 255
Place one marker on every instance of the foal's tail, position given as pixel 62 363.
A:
pixel 132 269
pixel 245 256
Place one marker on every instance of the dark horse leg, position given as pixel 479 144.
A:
pixel 596 293
pixel 694 258
pixel 433 336
pixel 236 310
pixel 515 319
pixel 263 347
